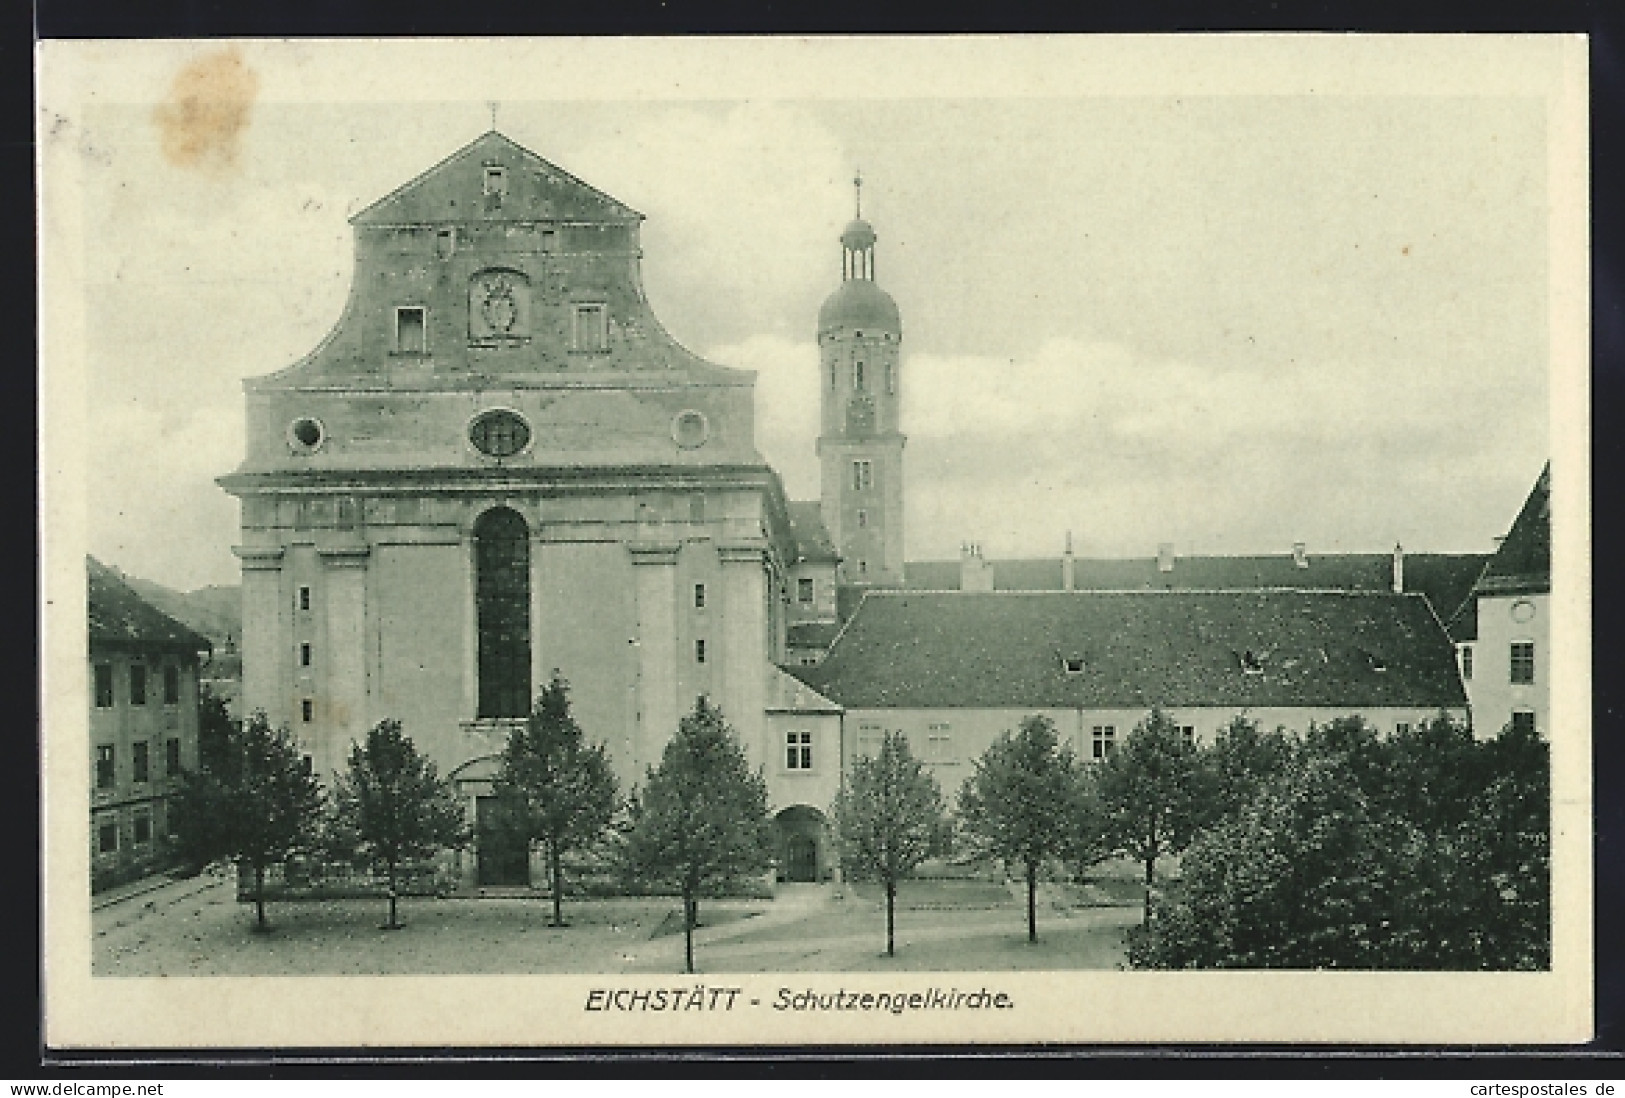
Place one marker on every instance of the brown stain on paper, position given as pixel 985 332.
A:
pixel 207 110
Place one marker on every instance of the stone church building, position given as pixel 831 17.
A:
pixel 499 465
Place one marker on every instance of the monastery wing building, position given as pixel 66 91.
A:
pixel 499 465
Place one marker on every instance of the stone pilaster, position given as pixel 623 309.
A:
pixel 744 644
pixel 655 568
pixel 343 709
pixel 265 614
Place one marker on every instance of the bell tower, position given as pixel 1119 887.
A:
pixel 860 443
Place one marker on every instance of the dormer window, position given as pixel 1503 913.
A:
pixel 591 328
pixel 1377 662
pixel 1252 663
pixel 411 330
pixel 1073 665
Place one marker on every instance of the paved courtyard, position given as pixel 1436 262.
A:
pixel 197 928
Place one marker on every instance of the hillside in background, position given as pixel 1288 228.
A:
pixel 216 612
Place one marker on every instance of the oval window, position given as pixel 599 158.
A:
pixel 305 433
pixel 499 433
pixel 690 429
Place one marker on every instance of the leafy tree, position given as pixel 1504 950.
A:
pixel 1292 881
pixel 257 804
pixel 395 804
pixel 701 819
pixel 215 726
pixel 889 816
pixel 1152 796
pixel 560 792
pixel 1018 803
pixel 1240 761
pixel 1345 861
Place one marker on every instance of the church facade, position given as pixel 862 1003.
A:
pixel 499 466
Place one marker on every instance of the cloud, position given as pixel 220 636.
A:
pixel 745 205
pixel 157 511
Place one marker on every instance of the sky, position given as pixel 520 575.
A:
pixel 1230 322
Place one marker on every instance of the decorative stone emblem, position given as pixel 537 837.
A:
pixel 501 310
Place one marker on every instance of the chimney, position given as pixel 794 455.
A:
pixel 1399 569
pixel 1300 554
pixel 1165 556
pixel 1068 576
pixel 975 573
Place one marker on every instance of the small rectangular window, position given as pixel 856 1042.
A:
pixel 1523 721
pixel 699 651
pixel 863 519
pixel 140 761
pixel 172 757
pixel 104 686
pixel 172 685
pixel 1402 728
pixel 107 837
pixel 1523 662
pixel 1467 662
pixel 939 743
pixel 307 765
pixel 410 330
pixel 1104 740
pixel 496 180
pixel 307 710
pixel 104 766
pixel 304 598
pixel 863 568
pixel 699 596
pixel 804 589
pixel 1074 665
pixel 857 377
pixel 304 653
pixel 138 684
pixel 891 378
pixel 1187 732
pixel 798 751
pixel 143 828
pixel 863 476
pixel 591 328
pixel 445 243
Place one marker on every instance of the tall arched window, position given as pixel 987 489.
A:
pixel 502 610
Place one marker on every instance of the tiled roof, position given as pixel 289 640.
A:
pixel 453 190
pixel 1140 648
pixel 813 542
pixel 119 617
pixel 1523 563
pixel 1445 578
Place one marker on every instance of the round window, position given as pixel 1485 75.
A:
pixel 690 429
pixel 499 433
pixel 305 434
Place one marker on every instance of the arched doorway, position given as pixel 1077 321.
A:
pixel 803 840
pixel 501 855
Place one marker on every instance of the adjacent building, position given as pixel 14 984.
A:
pixel 1503 630
pixel 143 679
pixel 954 670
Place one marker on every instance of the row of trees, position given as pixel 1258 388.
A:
pixel 1338 848
pixel 698 824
